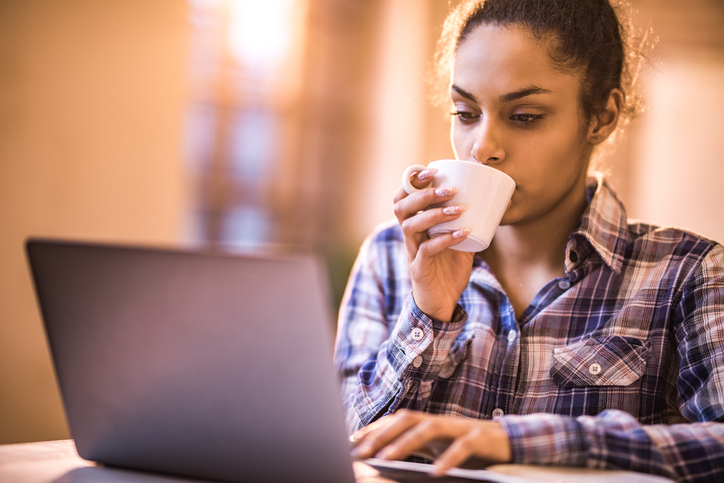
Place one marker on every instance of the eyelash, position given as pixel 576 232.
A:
pixel 526 119
pixel 465 116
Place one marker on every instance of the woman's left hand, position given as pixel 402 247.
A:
pixel 399 435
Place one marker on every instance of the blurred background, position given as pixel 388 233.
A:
pixel 230 124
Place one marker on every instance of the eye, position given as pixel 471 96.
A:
pixel 526 119
pixel 465 116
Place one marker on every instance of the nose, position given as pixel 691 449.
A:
pixel 488 146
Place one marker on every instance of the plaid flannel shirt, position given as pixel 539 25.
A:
pixel 618 364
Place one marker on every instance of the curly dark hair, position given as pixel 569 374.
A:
pixel 590 37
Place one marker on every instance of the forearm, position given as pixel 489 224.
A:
pixel 615 440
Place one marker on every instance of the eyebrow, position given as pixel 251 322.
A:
pixel 512 96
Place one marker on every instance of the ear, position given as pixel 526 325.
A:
pixel 604 122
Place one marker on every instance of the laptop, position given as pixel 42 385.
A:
pixel 194 364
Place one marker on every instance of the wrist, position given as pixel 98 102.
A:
pixel 440 314
pixel 445 316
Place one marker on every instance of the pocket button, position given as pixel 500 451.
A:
pixel 594 369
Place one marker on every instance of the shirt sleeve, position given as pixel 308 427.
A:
pixel 692 452
pixel 387 352
pixel 689 452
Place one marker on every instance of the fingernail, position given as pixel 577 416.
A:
pixel 453 210
pixel 446 191
pixel 426 173
pixel 461 233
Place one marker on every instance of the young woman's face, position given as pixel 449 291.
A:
pixel 517 113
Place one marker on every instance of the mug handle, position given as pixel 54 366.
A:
pixel 415 168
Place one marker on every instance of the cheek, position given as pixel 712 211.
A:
pixel 560 150
pixel 463 139
pixel 456 139
pixel 547 164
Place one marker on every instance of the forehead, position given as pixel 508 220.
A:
pixel 504 59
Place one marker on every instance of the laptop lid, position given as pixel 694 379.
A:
pixel 203 365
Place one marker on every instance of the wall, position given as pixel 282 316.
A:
pixel 679 150
pixel 92 96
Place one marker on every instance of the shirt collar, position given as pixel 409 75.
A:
pixel 603 224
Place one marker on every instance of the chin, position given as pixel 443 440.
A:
pixel 510 217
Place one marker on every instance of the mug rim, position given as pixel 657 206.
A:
pixel 474 163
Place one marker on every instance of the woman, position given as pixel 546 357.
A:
pixel 576 338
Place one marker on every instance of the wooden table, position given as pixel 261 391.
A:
pixel 58 462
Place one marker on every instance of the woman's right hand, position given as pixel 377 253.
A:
pixel 439 276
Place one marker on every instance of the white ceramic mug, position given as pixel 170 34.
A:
pixel 485 193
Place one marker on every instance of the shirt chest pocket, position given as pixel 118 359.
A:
pixel 600 361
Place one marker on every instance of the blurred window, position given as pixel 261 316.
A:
pixel 245 76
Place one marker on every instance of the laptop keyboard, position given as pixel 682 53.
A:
pixel 383 474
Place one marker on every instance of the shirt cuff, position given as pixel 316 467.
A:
pixel 419 344
pixel 546 439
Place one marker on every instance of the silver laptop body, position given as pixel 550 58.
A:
pixel 202 365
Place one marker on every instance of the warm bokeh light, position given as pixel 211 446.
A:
pixel 245 67
pixel 260 34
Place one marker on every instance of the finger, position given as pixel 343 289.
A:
pixel 361 434
pixel 420 437
pixel 415 439
pixel 418 180
pixel 486 441
pixel 357 437
pixel 378 439
pixel 434 246
pixel 399 194
pixel 425 220
pixel 423 178
pixel 415 234
pixel 422 200
pixel 461 449
pixel 415 223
